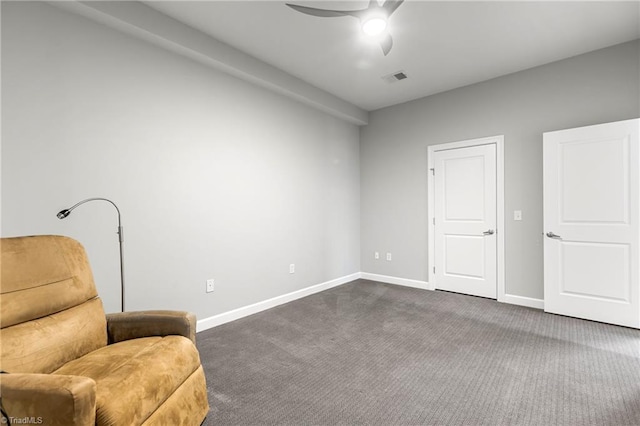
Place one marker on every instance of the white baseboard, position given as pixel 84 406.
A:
pixel 508 298
pixel 225 317
pixel 395 280
pixel 529 302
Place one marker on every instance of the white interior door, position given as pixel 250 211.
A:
pixel 465 212
pixel 591 191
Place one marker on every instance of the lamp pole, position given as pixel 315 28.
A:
pixel 64 213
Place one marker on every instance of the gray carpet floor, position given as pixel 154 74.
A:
pixel 367 353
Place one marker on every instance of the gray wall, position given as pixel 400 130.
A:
pixel 215 178
pixel 594 88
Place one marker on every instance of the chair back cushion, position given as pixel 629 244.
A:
pixel 50 312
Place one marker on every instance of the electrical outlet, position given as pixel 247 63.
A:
pixel 209 285
pixel 517 215
pixel 376 255
pixel 292 268
pixel 389 256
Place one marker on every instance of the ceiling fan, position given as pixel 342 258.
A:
pixel 373 20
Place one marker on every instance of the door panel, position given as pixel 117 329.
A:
pixel 591 192
pixel 587 197
pixel 464 199
pixel 466 256
pixel 465 209
pixel 586 266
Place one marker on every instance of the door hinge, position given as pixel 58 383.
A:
pixel 434 269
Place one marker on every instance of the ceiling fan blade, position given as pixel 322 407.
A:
pixel 323 13
pixel 386 43
pixel 391 5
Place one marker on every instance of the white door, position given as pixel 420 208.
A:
pixel 591 191
pixel 465 220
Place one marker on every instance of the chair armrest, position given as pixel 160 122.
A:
pixel 133 325
pixel 49 399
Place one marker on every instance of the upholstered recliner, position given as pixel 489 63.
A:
pixel 70 364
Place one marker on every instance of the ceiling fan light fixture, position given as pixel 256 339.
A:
pixel 374 26
pixel 373 19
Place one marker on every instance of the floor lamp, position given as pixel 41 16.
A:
pixel 64 213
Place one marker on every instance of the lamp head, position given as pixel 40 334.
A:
pixel 63 213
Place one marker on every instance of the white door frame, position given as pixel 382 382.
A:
pixel 498 141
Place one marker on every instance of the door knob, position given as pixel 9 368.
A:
pixel 552 235
pixel 489 232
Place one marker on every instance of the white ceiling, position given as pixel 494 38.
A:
pixel 440 45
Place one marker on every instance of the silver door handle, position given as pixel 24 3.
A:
pixel 552 235
pixel 489 232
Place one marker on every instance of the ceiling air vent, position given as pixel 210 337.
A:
pixel 396 76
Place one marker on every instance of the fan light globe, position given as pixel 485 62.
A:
pixel 374 26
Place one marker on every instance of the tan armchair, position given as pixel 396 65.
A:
pixel 70 364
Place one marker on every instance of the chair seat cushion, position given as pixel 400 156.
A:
pixel 134 377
